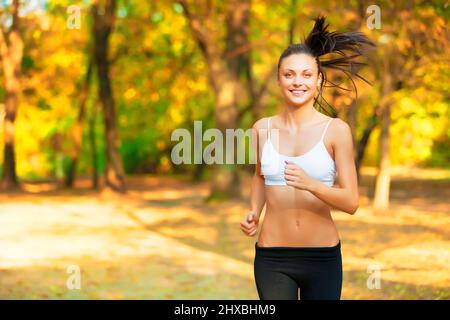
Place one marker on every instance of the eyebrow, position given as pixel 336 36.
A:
pixel 302 70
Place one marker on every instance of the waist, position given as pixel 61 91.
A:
pixel 306 252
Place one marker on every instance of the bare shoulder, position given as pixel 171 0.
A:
pixel 339 125
pixel 260 124
pixel 340 131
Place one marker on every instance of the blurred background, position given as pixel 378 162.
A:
pixel 93 207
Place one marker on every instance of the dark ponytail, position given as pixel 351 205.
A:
pixel 320 42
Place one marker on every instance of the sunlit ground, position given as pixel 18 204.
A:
pixel 162 242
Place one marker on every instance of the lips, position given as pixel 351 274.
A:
pixel 297 92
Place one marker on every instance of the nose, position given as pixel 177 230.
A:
pixel 297 81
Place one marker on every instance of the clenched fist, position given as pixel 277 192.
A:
pixel 249 225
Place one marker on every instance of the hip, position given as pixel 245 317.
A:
pixel 294 255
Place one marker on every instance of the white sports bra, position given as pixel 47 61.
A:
pixel 317 162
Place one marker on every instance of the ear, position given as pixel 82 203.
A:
pixel 319 80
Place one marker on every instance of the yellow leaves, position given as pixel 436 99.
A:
pixel 414 130
pixel 350 16
pixel 197 86
pixel 123 120
pixel 160 144
pixel 154 96
pixel 64 58
pixel 259 8
pixel 175 114
pixel 149 40
pixel 404 44
pixel 165 164
pixel 36 34
pixel 165 74
pixel 45 22
pixel 440 22
pixel 130 94
pixel 178 45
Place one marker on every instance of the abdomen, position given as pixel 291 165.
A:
pixel 296 218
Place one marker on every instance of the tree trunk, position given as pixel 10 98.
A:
pixel 224 72
pixel 362 144
pixel 237 52
pixel 93 146
pixel 77 133
pixel 225 181
pixel 103 24
pixel 11 50
pixel 381 198
pixel 352 114
pixel 256 94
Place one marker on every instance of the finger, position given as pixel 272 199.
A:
pixel 290 164
pixel 254 219
pixel 290 177
pixel 244 223
pixel 247 225
pixel 249 233
pixel 290 171
pixel 291 183
pixel 244 231
pixel 247 229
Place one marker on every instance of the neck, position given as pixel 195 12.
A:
pixel 296 116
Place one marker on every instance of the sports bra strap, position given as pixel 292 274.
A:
pixel 326 127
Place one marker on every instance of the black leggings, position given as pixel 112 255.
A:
pixel 281 271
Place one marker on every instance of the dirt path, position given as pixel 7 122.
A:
pixel 162 242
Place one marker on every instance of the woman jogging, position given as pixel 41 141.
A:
pixel 300 151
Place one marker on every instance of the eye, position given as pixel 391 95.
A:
pixel 307 75
pixel 287 75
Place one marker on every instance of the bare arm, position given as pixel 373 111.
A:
pixel 346 197
pixel 257 195
pixel 249 224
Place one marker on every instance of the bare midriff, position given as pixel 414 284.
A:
pixel 296 218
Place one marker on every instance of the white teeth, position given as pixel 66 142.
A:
pixel 298 92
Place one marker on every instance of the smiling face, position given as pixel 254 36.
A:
pixel 299 79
